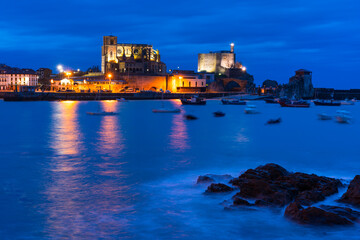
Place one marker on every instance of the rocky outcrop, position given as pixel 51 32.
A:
pixel 273 185
pixel 218 188
pixel 352 195
pixel 317 216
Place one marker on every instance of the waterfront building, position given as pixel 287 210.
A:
pixel 18 79
pixel 130 59
pixel 187 81
pixel 44 73
pixel 300 85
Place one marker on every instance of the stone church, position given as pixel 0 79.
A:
pixel 130 59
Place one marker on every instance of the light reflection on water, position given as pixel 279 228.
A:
pixel 87 197
pixel 178 133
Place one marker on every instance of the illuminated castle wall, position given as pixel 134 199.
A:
pixel 216 62
pixel 125 58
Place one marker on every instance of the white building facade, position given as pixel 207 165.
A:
pixel 9 80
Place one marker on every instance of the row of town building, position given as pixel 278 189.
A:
pixel 138 67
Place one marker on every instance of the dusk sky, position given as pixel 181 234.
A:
pixel 272 38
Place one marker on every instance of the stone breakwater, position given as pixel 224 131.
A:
pixel 273 186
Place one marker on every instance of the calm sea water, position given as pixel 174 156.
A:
pixel 65 174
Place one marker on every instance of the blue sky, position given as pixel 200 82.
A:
pixel 272 38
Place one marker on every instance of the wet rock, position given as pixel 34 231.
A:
pixel 214 178
pixel 352 194
pixel 218 188
pixel 342 211
pixel 240 202
pixel 309 197
pixel 275 186
pixel 205 179
pixel 314 216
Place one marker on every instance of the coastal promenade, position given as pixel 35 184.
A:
pixel 56 96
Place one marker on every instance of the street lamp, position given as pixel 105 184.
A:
pixel 109 76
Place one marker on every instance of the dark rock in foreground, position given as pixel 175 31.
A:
pixel 218 188
pixel 352 194
pixel 318 216
pixel 273 185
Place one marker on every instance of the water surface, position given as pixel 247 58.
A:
pixel 65 174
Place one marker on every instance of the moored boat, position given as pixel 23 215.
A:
pixel 272 100
pixel 219 114
pixel 294 103
pixel 194 100
pixel 228 101
pixel 326 103
pixel 166 110
pixel 324 116
pixel 250 109
pixel 274 121
pixel 348 102
pixel 190 117
pixel 121 100
pixel 343 116
pixel 102 113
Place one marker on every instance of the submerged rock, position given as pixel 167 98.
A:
pixel 218 188
pixel 352 194
pixel 315 215
pixel 208 178
pixel 205 179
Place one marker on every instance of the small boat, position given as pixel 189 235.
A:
pixel 219 114
pixel 121 100
pixel 250 109
pixel 324 116
pixel 274 121
pixel 227 101
pixel 194 100
pixel 190 117
pixel 348 102
pixel 343 116
pixel 272 100
pixel 102 113
pixel 326 103
pixel 294 103
pixel 166 110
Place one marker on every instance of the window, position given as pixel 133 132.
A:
pixel 189 84
pixel 195 84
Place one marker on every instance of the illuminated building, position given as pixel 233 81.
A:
pixel 187 81
pixel 216 62
pixel 18 79
pixel 122 58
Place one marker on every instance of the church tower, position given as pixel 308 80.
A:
pixel 108 51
